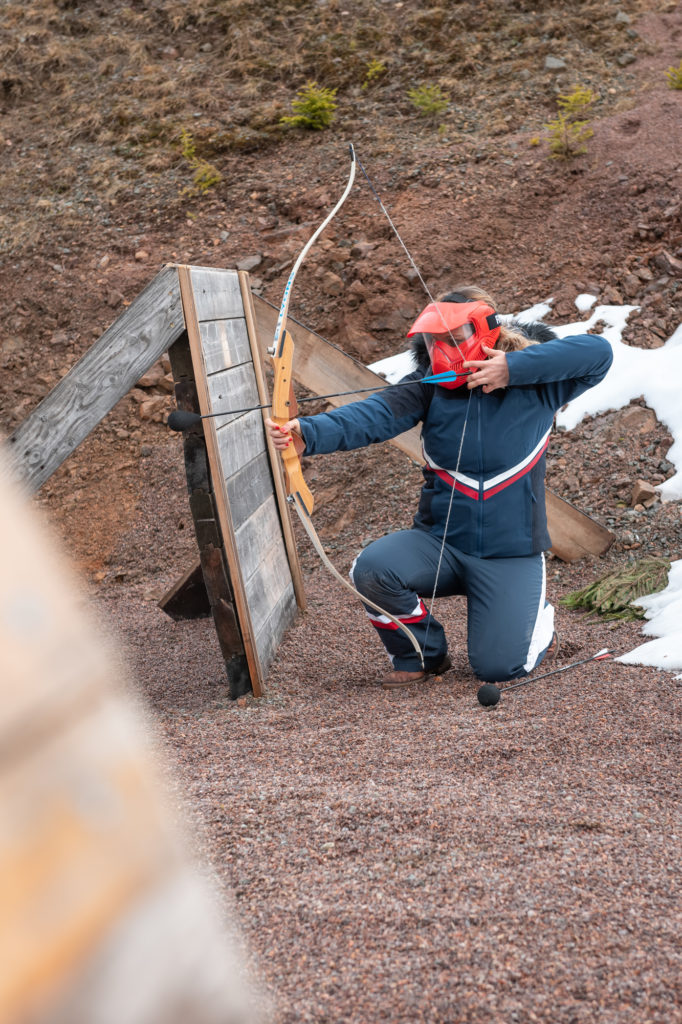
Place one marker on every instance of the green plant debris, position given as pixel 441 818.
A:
pixel 429 100
pixel 570 130
pixel 314 107
pixel 375 69
pixel 674 76
pixel 205 174
pixel 613 594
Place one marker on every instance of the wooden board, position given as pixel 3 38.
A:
pixel 251 529
pixel 324 368
pixel 107 371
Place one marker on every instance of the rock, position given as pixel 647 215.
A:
pixel 113 298
pixel 668 263
pixel 631 286
pixel 555 64
pixel 152 377
pixel 250 262
pixel 634 419
pixel 141 255
pixel 332 284
pixel 360 250
pixel 643 493
pixel 153 409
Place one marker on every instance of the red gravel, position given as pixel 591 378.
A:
pixel 413 856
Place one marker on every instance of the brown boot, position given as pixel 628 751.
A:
pixel 553 649
pixel 399 680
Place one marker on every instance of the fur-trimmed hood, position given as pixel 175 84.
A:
pixel 536 331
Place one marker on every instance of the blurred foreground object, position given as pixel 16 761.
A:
pixel 103 919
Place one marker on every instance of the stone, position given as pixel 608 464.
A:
pixel 555 64
pixel 631 286
pixel 250 263
pixel 152 377
pixel 332 284
pixel 643 493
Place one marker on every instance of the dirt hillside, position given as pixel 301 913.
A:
pixel 411 858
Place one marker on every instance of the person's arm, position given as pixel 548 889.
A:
pixel 562 368
pixel 358 424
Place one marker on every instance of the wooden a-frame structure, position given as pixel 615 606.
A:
pixel 216 334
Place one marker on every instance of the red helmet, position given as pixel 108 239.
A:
pixel 455 332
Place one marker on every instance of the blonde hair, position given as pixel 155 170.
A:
pixel 509 340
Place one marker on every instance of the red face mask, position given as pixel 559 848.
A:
pixel 455 332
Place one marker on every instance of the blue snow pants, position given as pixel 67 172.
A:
pixel 509 622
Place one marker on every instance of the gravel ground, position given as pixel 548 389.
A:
pixel 413 856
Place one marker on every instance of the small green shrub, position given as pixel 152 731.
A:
pixel 570 130
pixel 375 69
pixel 205 174
pixel 314 107
pixel 429 100
pixel 674 76
pixel 615 594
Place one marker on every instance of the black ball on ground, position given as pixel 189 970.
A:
pixel 488 695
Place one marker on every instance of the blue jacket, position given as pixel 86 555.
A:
pixel 497 490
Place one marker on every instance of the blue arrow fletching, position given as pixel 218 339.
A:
pixel 443 378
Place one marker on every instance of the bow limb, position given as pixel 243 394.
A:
pixel 284 409
pixel 317 544
pixel 284 307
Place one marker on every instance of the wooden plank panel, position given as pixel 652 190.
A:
pixel 239 441
pixel 107 371
pixel 221 498
pixel 280 618
pixel 217 295
pixel 225 343
pixel 572 532
pixel 324 368
pixel 248 488
pixel 267 584
pixel 258 533
pixel 273 455
pixel 233 388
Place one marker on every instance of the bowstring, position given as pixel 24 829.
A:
pixel 408 254
pixel 468 406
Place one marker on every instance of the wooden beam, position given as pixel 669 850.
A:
pixel 324 368
pixel 107 371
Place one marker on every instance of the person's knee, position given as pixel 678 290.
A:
pixel 367 573
pixel 492 667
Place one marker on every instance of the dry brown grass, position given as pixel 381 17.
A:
pixel 123 81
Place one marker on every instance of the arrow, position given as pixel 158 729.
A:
pixel 489 694
pixel 180 420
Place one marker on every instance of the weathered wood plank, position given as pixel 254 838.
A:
pixel 239 442
pixel 248 488
pixel 276 624
pixel 572 532
pixel 324 368
pixel 217 295
pixel 267 584
pixel 107 371
pixel 218 477
pixel 233 388
pixel 257 534
pixel 187 598
pixel 273 456
pixel 225 343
